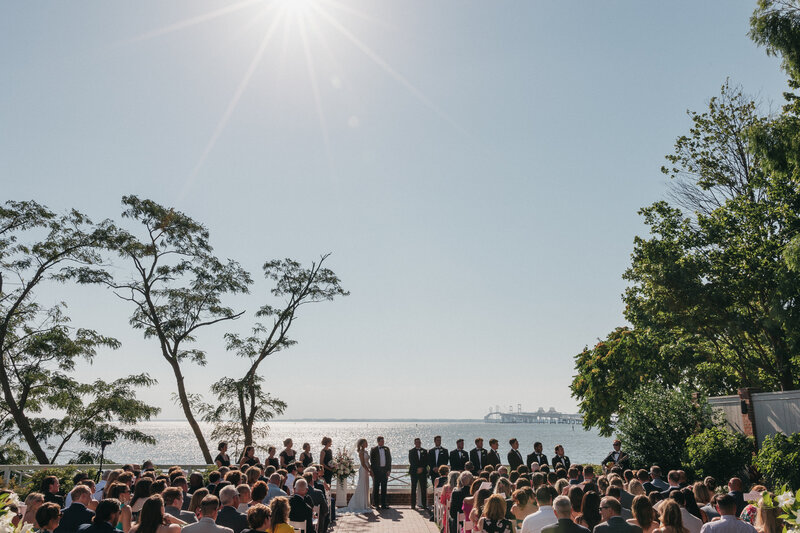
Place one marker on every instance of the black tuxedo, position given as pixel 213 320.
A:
pixel 616 524
pixel 478 458
pixel 105 527
pixel 561 462
pixel 380 474
pixel 564 525
pixel 493 458
pixel 230 517
pixel 539 458
pixel 301 509
pixel 418 458
pixel 515 459
pixel 458 458
pixel 623 461
pixel 433 464
pixel 73 517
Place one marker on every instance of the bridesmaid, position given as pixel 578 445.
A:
pixel 222 458
pixel 326 458
pixel 305 456
pixel 272 460
pixel 287 455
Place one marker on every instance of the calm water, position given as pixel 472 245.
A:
pixel 177 444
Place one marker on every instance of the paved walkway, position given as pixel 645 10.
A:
pixel 394 520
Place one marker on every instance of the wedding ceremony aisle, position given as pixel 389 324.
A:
pixel 394 520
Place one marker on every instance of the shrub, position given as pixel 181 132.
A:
pixel 654 423
pixel 719 453
pixel 63 473
pixel 778 458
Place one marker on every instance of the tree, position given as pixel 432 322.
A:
pixel 176 288
pixel 40 349
pixel 656 421
pixel 243 402
pixel 719 453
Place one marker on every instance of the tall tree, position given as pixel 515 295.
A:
pixel 244 400
pixel 176 288
pixel 38 347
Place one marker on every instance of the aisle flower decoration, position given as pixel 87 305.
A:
pixel 787 502
pixel 7 515
pixel 343 466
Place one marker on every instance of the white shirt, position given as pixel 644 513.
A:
pixel 290 483
pixel 534 523
pixel 727 524
pixel 382 455
pixel 690 521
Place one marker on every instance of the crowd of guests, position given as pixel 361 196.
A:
pixel 560 497
pixel 245 497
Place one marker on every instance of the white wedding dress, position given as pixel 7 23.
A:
pixel 359 502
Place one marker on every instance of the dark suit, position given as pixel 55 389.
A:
pixel 665 493
pixel 616 524
pixel 418 458
pixel 319 498
pixel 186 516
pixel 456 503
pixel 478 458
pixel 539 458
pixel 626 499
pixel 74 516
pixel 622 461
pixel 740 503
pixel 434 464
pixel 493 458
pixel 564 525
pixel 515 459
pixel 301 509
pixel 458 458
pixel 105 527
pixel 559 461
pixel 228 516
pixel 324 521
pixel 380 474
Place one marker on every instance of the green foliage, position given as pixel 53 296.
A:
pixel 719 453
pixel 12 454
pixel 778 458
pixel 655 421
pixel 63 473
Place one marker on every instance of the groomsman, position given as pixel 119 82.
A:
pixel 418 461
pixel 514 456
pixel 537 456
pixel 477 455
pixel 437 456
pixel 560 460
pixel 458 457
pixel 380 460
pixel 493 457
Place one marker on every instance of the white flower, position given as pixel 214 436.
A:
pixel 26 528
pixel 13 499
pixel 6 525
pixel 785 499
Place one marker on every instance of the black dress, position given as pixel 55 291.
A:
pixel 223 460
pixel 499 526
pixel 286 457
pixel 306 459
pixel 251 461
pixel 273 461
pixel 328 458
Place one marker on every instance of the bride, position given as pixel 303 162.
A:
pixel 359 503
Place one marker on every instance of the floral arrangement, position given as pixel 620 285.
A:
pixel 7 515
pixel 787 502
pixel 343 465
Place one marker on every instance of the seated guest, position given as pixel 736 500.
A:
pixel 563 510
pixel 279 516
pixel 643 514
pixel 544 516
pixel 610 510
pixel 244 497
pixel 572 476
pixel 656 484
pixel 477 508
pixel 229 515
pixel 575 495
pixel 493 519
pixel 635 488
pixel 208 508
pixel 524 504
pixel 122 493
pixel 691 523
pixel 703 499
pixel 173 501
pixel 301 506
pixel 153 520
pixel 735 490
pixel 728 521
pixel 106 517
pixel 671 520
pixel 767 520
pixel 195 482
pixel 33 501
pixel 50 487
pixel 197 500
pixel 78 513
pixel 457 498
pixel 317 496
pixel 443 471
pixel 257 518
pixel 674 479
pixel 590 510
pixel 444 499
pixel 258 493
pixel 615 492
pixel 48 516
pixel 274 488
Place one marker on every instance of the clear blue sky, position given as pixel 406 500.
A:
pixel 475 168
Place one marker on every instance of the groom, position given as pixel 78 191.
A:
pixel 380 459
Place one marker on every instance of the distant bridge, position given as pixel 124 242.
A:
pixel 538 417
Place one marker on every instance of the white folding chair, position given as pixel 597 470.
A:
pixel 300 527
pixel 459 523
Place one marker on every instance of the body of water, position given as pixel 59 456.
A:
pixel 177 444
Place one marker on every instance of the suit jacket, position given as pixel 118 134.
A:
pixel 229 517
pixel 493 458
pixel 457 501
pixel 375 458
pixel 301 509
pixel 319 498
pixel 623 461
pixel 515 459
pixel 458 458
pixel 626 499
pixel 444 458
pixel 564 525
pixel 536 458
pixel 74 516
pixel 417 460
pixel 186 516
pixel 105 527
pixel 616 524
pixel 206 525
pixel 740 503
pixel 478 458
pixel 557 461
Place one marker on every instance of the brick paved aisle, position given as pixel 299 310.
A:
pixel 394 520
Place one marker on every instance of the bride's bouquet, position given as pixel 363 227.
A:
pixel 343 465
